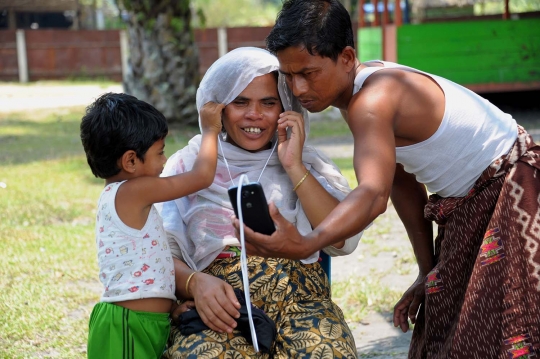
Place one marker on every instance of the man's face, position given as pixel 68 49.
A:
pixel 317 82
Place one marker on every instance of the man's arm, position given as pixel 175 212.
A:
pixel 370 117
pixel 409 198
pixel 371 121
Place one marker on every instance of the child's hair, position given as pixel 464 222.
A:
pixel 116 123
pixel 322 27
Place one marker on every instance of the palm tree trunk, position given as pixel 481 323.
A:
pixel 163 62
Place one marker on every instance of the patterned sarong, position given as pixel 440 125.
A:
pixel 295 295
pixel 483 296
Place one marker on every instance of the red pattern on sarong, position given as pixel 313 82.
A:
pixel 495 296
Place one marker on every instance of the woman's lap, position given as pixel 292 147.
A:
pixel 294 295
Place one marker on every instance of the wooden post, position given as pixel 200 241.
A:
pixel 22 60
pixel 398 16
pixel 12 19
pixel 407 19
pixel 94 15
pixel 361 14
pixel 223 46
pixel 124 54
pixel 385 17
pixel 385 21
pixel 77 18
pixel 506 14
pixel 377 21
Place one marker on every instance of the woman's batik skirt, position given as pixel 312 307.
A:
pixel 295 296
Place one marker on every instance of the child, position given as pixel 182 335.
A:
pixel 124 140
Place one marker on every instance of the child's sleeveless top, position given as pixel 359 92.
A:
pixel 473 133
pixel 133 264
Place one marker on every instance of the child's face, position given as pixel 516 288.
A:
pixel 251 119
pixel 154 160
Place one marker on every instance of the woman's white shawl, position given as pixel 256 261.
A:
pixel 199 225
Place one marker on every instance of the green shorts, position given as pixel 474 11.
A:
pixel 119 333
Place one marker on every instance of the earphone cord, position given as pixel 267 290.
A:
pixel 243 262
pixel 264 167
pixel 227 164
pixel 225 159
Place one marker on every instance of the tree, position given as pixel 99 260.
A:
pixel 232 13
pixel 163 61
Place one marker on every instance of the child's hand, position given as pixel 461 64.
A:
pixel 211 117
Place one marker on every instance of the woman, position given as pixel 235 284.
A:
pixel 305 187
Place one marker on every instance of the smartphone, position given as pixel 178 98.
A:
pixel 254 207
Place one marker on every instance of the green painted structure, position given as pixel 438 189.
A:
pixel 486 55
pixel 370 48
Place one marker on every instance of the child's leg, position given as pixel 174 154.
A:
pixel 120 333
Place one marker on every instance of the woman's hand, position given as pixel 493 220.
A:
pixel 215 301
pixel 211 117
pixel 290 149
pixel 408 305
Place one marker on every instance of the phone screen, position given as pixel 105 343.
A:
pixel 254 207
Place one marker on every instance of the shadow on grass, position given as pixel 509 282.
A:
pixel 25 140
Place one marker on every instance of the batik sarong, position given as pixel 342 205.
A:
pixel 483 296
pixel 295 296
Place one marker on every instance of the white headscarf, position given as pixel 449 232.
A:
pixel 200 224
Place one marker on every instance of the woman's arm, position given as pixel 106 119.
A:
pixel 214 299
pixel 316 201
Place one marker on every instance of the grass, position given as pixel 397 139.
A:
pixel 358 296
pixel 48 282
pixel 347 169
pixel 328 126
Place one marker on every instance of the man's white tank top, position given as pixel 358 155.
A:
pixel 473 133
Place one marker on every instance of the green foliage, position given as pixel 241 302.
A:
pixel 235 13
pixel 497 7
pixel 178 24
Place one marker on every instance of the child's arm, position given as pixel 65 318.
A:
pixel 135 197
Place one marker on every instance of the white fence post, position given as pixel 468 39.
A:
pixel 21 56
pixel 222 41
pixel 124 53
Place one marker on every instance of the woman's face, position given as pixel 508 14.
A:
pixel 251 119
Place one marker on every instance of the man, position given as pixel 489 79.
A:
pixel 480 285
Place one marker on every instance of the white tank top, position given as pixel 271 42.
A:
pixel 472 134
pixel 133 264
